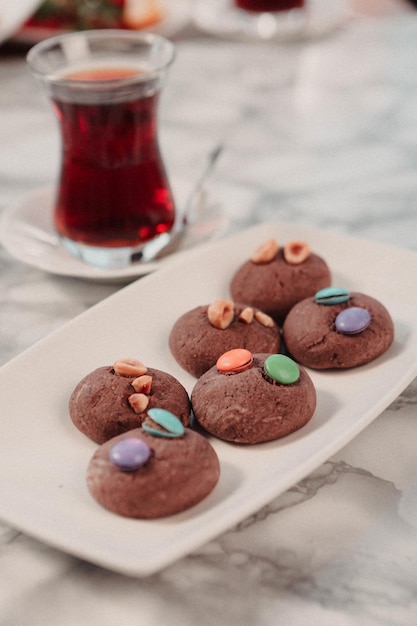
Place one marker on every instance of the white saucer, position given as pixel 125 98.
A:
pixel 28 234
pixel 219 18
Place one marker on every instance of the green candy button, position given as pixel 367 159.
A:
pixel 170 423
pixel 282 369
pixel 332 295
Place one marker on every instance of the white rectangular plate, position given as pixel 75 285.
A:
pixel 43 458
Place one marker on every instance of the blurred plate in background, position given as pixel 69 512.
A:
pixel 165 17
pixel 13 15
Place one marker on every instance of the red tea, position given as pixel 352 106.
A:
pixel 261 6
pixel 113 188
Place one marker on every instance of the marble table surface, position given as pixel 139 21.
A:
pixel 321 133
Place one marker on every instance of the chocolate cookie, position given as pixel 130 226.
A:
pixel 201 335
pixel 274 279
pixel 337 329
pixel 114 399
pixel 250 399
pixel 146 475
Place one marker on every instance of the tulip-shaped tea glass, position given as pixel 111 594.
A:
pixel 270 20
pixel 113 195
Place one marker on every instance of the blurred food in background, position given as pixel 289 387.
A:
pixel 54 16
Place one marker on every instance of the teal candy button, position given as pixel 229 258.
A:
pixel 331 295
pixel 282 369
pixel 169 422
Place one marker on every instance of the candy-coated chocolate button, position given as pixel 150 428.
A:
pixel 129 454
pixel 331 295
pixel 235 360
pixel 282 369
pixel 352 320
pixel 172 426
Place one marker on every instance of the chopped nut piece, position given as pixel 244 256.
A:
pixel 142 384
pixel 247 315
pixel 139 402
pixel 296 252
pixel 129 367
pixel 220 313
pixel 264 319
pixel 265 252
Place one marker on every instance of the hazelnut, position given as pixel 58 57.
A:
pixel 264 319
pixel 220 313
pixel 247 315
pixel 129 367
pixel 296 252
pixel 142 384
pixel 266 252
pixel 139 402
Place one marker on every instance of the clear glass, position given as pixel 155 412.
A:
pixel 113 196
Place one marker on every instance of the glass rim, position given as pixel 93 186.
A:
pixel 146 38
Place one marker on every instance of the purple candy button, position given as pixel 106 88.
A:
pixel 352 320
pixel 129 454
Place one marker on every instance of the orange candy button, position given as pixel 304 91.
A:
pixel 235 360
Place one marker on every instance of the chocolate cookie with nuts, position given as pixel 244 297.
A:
pixel 157 470
pixel 114 399
pixel 274 279
pixel 201 335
